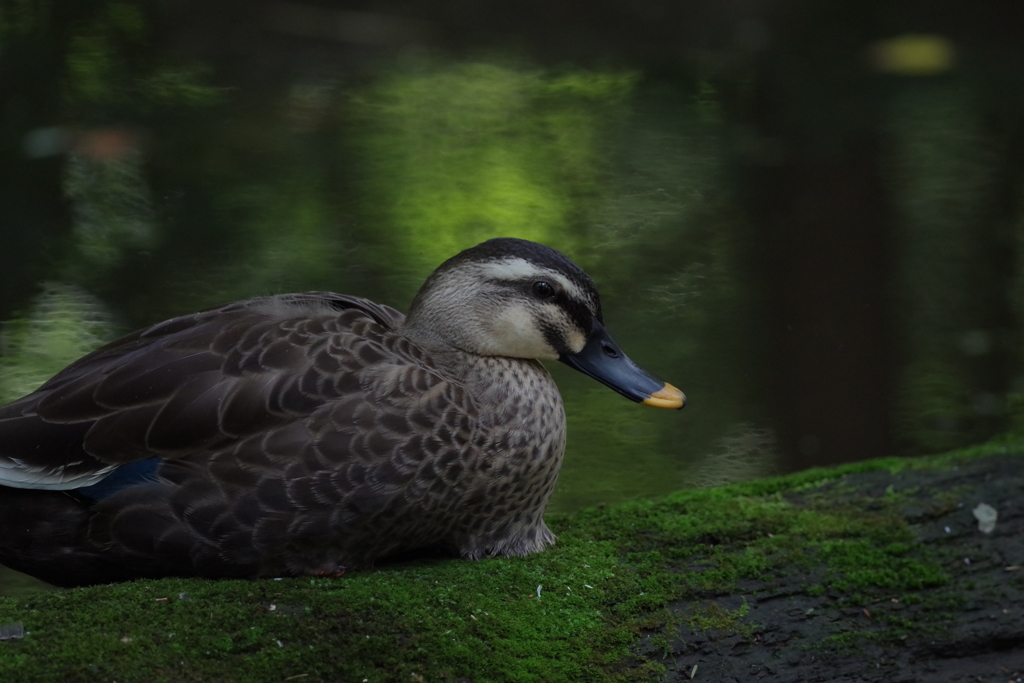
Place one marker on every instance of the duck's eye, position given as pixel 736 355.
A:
pixel 543 290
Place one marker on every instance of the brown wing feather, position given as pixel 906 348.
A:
pixel 195 383
pixel 309 494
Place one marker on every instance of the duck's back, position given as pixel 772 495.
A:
pixel 293 434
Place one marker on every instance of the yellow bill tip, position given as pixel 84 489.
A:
pixel 666 397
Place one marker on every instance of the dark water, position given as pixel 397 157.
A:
pixel 818 241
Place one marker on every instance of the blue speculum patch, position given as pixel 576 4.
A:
pixel 121 478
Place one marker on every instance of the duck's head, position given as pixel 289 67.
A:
pixel 519 299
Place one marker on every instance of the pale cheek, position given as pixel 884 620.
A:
pixel 515 335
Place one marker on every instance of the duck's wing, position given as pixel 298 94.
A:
pixel 196 383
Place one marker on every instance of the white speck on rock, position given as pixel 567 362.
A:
pixel 986 516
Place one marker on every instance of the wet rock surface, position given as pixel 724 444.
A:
pixel 809 625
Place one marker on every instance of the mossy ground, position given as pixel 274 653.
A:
pixel 877 574
pixel 650 570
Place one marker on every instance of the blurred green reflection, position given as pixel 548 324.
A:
pixel 456 153
pixel 62 324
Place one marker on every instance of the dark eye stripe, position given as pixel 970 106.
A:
pixel 578 311
pixel 579 314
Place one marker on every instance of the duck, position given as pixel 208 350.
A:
pixel 310 434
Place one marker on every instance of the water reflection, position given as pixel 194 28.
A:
pixel 62 324
pixel 951 388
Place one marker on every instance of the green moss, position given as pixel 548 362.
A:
pixel 861 564
pixel 713 617
pixel 435 620
pixel 613 573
